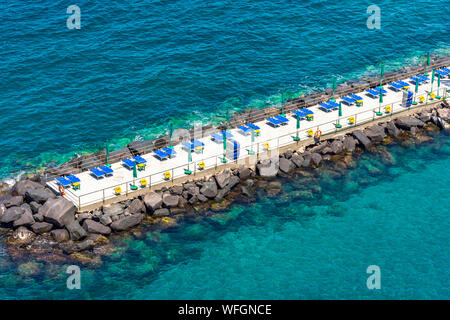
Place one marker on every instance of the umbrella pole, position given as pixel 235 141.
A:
pixel 107 156
pixel 334 89
pixel 427 65
pixel 338 124
pixel 251 146
pixel 297 138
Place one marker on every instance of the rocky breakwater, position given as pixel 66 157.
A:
pixel 36 221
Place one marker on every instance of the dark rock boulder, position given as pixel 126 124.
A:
pixel 12 214
pixel 444 114
pixel 223 178
pixel 126 223
pixel 23 185
pixel 267 168
pixel 38 195
pixel 288 154
pixel 58 211
pixel 336 147
pixel 136 206
pixel 406 123
pixel 170 201
pixel 349 144
pixel 234 181
pixel 375 133
pixel 95 227
pixel 83 216
pixel 209 189
pixel 35 207
pixel 105 220
pixel 60 235
pixel 113 209
pixel 316 159
pixel 152 201
pixel 286 165
pixel 362 138
pixel 13 202
pixel 392 129
pixel 306 160
pixel 177 190
pixel 244 173
pixel 76 231
pixel 297 160
pixel 163 212
pixel 41 227
pixel 71 247
pixel 26 219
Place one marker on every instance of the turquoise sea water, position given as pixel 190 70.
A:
pixel 136 64
pixel 288 246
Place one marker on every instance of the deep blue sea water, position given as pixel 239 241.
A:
pixel 134 65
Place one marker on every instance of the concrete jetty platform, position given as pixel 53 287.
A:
pixel 94 193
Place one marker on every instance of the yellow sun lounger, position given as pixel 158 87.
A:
pixel 117 190
pixel 421 99
pixel 143 183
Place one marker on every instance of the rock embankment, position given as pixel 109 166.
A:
pixel 32 217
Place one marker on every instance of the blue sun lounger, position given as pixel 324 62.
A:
pixel 64 182
pixel 373 93
pixel 333 104
pixel 107 170
pixel 244 130
pixel 273 122
pixel 218 137
pixel 326 107
pixel 128 163
pixel 187 145
pixel 139 160
pixel 161 155
pixel 347 100
pixel 97 173
pixel 198 144
pixel 282 119
pixel 299 114
pixel 170 152
pixel 73 179
pixel 253 127
pixel 416 79
pixel 446 70
pixel 405 85
pixel 395 86
pixel 441 73
pixel 307 111
pixel 356 97
pixel 425 79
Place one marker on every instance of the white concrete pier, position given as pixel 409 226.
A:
pixel 95 192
